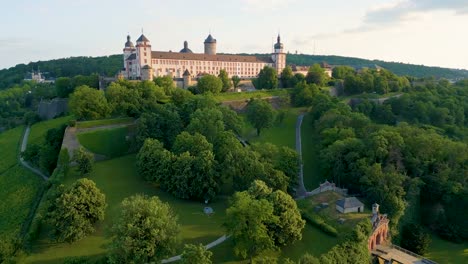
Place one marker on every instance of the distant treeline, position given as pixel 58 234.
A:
pixel 68 67
pixel 395 67
pixel 110 65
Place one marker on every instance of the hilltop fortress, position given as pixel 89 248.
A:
pixel 142 63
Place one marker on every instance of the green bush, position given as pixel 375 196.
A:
pixel 316 220
pixel 72 123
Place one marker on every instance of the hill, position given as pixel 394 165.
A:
pixel 66 67
pixel 110 65
pixel 395 67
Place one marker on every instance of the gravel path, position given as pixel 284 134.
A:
pixel 301 190
pixel 24 145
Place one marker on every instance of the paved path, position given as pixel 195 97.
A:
pixel 207 246
pixel 301 190
pixel 24 145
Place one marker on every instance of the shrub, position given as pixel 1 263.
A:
pixel 316 220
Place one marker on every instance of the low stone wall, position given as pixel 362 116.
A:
pixel 49 109
pixel 327 186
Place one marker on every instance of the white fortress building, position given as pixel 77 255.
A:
pixel 142 63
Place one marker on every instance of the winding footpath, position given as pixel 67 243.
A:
pixel 24 145
pixel 301 190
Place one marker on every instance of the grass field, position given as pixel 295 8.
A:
pixel 310 155
pixel 108 142
pixel 446 252
pixel 19 189
pixel 9 142
pixel 104 122
pixel 283 134
pixel 254 94
pixel 39 130
pixel 117 178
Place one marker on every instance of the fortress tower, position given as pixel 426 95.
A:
pixel 143 54
pixel 128 50
pixel 210 45
pixel 279 57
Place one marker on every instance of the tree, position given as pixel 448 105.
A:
pixel 316 75
pixel 75 210
pixel 247 221
pixel 209 83
pixel 84 159
pixel 267 79
pixel 289 226
pixel 63 87
pixel 88 103
pixel 163 124
pixel 415 239
pixel 196 254
pixel 145 231
pixel 208 122
pixel 166 83
pixel 235 81
pixel 340 72
pixel 260 114
pixel 287 78
pixel 154 163
pixel 194 174
pixel 223 76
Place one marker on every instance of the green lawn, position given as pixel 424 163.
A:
pixel 108 142
pixel 283 134
pixel 104 122
pixel 39 130
pixel 310 155
pixel 446 252
pixel 10 143
pixel 117 178
pixel 19 189
pixel 232 96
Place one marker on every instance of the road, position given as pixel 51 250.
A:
pixel 301 190
pixel 24 145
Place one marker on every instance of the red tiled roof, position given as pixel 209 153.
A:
pixel 207 57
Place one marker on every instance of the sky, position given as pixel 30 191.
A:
pixel 427 32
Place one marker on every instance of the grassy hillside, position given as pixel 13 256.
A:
pixel 9 143
pixel 108 142
pixel 19 190
pixel 19 186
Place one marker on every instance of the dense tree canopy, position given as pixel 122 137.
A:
pixel 196 254
pixel 145 231
pixel 209 83
pixel 223 76
pixel 74 210
pixel 88 103
pixel 277 221
pixel 267 79
pixel 316 75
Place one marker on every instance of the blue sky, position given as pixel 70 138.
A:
pixel 429 32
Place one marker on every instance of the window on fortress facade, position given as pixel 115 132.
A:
pixel 146 61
